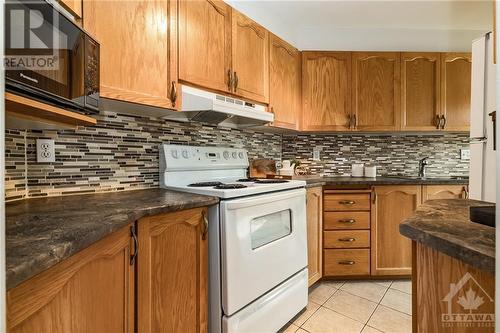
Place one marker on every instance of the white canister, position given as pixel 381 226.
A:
pixel 357 170
pixel 371 171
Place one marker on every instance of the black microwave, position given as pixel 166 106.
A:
pixel 48 57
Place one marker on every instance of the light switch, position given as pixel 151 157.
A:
pixel 465 154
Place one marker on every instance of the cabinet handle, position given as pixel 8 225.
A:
pixel 230 80
pixel 347 262
pixel 235 81
pixel 465 193
pixel 204 229
pixel 133 233
pixel 347 221
pixel 347 202
pixel 374 195
pixel 347 239
pixel 173 93
pixel 355 121
pixel 350 121
pixel 438 121
pixel 443 118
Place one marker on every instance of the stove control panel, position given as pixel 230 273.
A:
pixel 181 157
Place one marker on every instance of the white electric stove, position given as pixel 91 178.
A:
pixel 257 237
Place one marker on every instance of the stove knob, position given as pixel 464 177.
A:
pixel 240 155
pixel 234 154
pixel 175 154
pixel 226 154
pixel 185 154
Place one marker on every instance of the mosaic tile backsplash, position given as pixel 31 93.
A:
pixel 392 154
pixel 119 153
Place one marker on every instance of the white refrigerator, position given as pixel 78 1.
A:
pixel 482 177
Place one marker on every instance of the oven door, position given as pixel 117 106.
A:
pixel 263 243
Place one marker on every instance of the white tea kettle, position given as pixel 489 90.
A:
pixel 287 168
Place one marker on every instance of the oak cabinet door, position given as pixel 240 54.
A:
pixel 172 275
pixel 250 58
pixel 91 291
pixel 433 192
pixel 326 91
pixel 138 52
pixel 390 251
pixel 314 234
pixel 420 87
pixel 376 87
pixel 456 90
pixel 285 83
pixel 74 7
pixel 205 43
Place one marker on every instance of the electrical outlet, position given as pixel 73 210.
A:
pixel 465 154
pixel 45 151
pixel 317 153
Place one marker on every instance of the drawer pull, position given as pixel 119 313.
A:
pixel 347 239
pixel 347 202
pixel 347 221
pixel 347 262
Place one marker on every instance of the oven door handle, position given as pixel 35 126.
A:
pixel 265 198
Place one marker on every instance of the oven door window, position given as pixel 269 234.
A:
pixel 269 228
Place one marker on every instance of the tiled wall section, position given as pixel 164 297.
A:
pixel 120 153
pixel 392 154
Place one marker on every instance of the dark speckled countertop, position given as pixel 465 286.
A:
pixel 313 181
pixel 42 232
pixel 444 225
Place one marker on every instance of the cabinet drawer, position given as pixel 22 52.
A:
pixel 346 220
pixel 346 202
pixel 346 262
pixel 346 239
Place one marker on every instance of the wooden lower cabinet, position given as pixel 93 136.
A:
pixel 314 233
pixel 434 300
pixel 433 192
pixel 92 291
pixel 390 251
pixel 172 274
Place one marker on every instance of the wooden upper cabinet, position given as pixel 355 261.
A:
pixel 73 6
pixel 420 91
pixel 91 291
pixel 376 86
pixel 314 233
pixel 326 91
pixel 391 251
pixel 250 58
pixel 138 39
pixel 433 192
pixel 172 275
pixel 205 43
pixel 285 83
pixel 456 90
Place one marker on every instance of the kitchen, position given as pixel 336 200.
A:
pixel 185 168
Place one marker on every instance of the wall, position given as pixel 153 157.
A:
pixel 120 153
pixel 392 154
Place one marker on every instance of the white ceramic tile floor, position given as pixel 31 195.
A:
pixel 381 306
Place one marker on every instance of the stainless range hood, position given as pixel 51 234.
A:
pixel 217 109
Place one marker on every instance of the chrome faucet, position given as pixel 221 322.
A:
pixel 421 167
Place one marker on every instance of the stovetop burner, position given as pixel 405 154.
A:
pixel 229 186
pixel 250 179
pixel 271 181
pixel 205 184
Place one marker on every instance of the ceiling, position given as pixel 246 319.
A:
pixel 373 24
